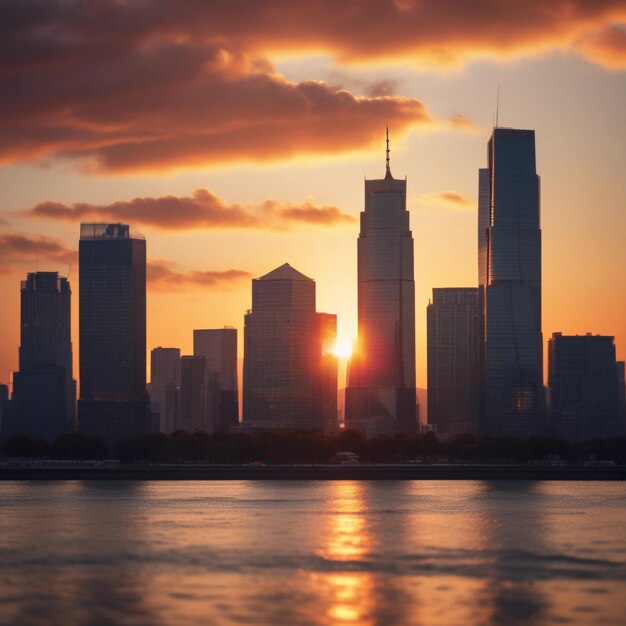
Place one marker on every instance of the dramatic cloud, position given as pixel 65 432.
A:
pixel 607 46
pixel 159 85
pixel 202 209
pixel 162 277
pixel 447 198
pixel 20 247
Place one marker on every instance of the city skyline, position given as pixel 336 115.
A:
pixel 300 202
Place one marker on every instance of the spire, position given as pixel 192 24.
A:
pixel 388 173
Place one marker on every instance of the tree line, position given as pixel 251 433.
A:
pixel 304 447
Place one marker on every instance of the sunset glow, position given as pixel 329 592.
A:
pixel 235 148
pixel 342 349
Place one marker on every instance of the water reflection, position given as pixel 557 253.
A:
pixel 347 542
pixel 514 543
pixel 312 554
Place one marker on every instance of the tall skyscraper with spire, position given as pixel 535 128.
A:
pixel 381 394
pixel 509 273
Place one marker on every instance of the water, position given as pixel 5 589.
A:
pixel 294 553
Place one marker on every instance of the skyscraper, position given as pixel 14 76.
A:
pixel 192 416
pixel 381 393
pixel 583 387
pixel 219 347
pixel 44 391
pixel 284 377
pixel 452 336
pixel 113 399
pixel 509 241
pixel 621 381
pixel 165 386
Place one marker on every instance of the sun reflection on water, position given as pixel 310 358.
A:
pixel 347 595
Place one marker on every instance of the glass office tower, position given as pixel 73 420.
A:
pixel 44 391
pixel 287 377
pixel 381 394
pixel 165 386
pixel 583 384
pixel 219 347
pixel 113 399
pixel 509 241
pixel 453 380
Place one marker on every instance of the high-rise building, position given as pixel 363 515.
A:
pixel 326 331
pixel 113 400
pixel 381 393
pixel 219 347
pixel 44 392
pixel 286 373
pixel 583 385
pixel 509 270
pixel 452 340
pixel 4 404
pixel 192 415
pixel 165 386
pixel 621 381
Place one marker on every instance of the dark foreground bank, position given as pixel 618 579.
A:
pixel 316 472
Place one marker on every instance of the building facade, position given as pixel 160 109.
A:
pixel 583 387
pixel 381 394
pixel 453 329
pixel 44 391
pixel 286 375
pixel 165 386
pixel 509 242
pixel 219 347
pixel 113 399
pixel 192 416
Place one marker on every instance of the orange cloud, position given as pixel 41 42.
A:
pixel 459 121
pixel 123 87
pixel 447 198
pixel 607 46
pixel 162 277
pixel 19 247
pixel 203 209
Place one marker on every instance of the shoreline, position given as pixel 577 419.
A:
pixel 315 472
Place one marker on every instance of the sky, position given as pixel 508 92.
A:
pixel 236 137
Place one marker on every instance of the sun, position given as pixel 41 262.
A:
pixel 342 349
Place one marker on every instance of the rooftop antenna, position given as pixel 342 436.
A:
pixel 69 269
pixel 37 259
pixel 497 105
pixel 388 173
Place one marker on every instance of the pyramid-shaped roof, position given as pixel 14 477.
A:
pixel 285 272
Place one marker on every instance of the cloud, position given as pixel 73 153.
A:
pixel 447 198
pixel 162 277
pixel 459 121
pixel 20 247
pixel 607 46
pixel 155 85
pixel 203 209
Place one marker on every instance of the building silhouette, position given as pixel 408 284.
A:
pixel 192 416
pixel 43 403
pixel 165 386
pixel 289 373
pixel 583 387
pixel 453 330
pixel 113 400
pixel 4 403
pixel 219 347
pixel 381 393
pixel 509 269
pixel 621 381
